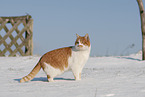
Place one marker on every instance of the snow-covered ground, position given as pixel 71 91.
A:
pixel 122 76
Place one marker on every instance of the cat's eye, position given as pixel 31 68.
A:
pixel 77 42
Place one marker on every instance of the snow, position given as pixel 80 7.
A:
pixel 120 76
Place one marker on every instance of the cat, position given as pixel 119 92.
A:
pixel 60 60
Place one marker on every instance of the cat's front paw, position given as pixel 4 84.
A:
pixel 77 79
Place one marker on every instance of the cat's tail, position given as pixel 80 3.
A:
pixel 32 74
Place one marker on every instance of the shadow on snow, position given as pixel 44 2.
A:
pixel 44 79
pixel 129 58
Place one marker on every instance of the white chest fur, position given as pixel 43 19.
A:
pixel 78 58
pixel 77 61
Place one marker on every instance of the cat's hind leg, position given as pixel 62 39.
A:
pixel 51 72
pixel 50 79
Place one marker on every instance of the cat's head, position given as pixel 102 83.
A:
pixel 82 43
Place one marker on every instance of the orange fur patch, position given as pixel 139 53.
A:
pixel 57 58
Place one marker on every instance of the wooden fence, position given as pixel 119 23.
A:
pixel 16 35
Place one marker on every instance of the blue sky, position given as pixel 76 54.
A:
pixel 113 25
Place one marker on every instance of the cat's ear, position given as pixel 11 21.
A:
pixel 77 35
pixel 87 36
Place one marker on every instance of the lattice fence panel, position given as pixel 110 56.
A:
pixel 16 35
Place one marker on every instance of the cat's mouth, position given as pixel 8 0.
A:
pixel 80 46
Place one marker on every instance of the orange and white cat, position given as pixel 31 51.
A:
pixel 60 60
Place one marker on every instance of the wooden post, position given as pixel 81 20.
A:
pixel 29 46
pixel 31 39
pixel 142 16
pixel 26 35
